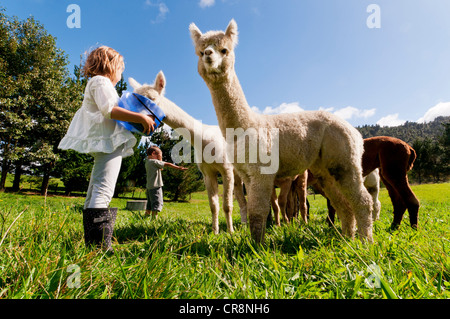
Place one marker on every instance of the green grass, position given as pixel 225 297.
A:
pixel 177 256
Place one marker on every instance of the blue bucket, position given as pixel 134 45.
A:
pixel 140 104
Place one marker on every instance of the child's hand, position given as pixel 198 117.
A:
pixel 149 123
pixel 183 168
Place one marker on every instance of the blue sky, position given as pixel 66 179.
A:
pixel 292 54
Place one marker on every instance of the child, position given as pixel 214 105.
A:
pixel 153 166
pixel 94 131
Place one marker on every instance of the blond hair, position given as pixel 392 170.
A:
pixel 103 61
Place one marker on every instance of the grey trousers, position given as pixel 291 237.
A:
pixel 103 178
pixel 155 199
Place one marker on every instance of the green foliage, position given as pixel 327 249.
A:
pixel 75 170
pixel 408 132
pixel 132 172
pixel 37 96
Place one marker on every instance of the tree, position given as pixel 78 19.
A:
pixel 75 170
pixel 37 98
pixel 132 171
pixel 445 142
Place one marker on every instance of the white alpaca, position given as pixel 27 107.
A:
pixel 371 182
pixel 201 136
pixel 329 146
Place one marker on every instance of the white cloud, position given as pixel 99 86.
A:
pixel 283 108
pixel 390 120
pixel 345 113
pixel 163 10
pixel 441 109
pixel 349 112
pixel 206 3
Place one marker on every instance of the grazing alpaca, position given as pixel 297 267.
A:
pixel 290 189
pixel 329 146
pixel 394 158
pixel 279 202
pixel 372 184
pixel 298 196
pixel 208 136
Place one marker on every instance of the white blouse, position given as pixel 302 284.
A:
pixel 92 130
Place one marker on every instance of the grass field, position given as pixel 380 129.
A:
pixel 42 254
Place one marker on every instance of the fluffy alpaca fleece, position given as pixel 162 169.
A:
pixel 371 182
pixel 180 121
pixel 330 147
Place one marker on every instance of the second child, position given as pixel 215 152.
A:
pixel 153 165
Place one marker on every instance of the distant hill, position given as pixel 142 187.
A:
pixel 408 132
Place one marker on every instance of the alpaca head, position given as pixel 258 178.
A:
pixel 215 50
pixel 152 91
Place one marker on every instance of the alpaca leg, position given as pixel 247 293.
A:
pixel 240 197
pixel 413 204
pixel 408 199
pixel 398 205
pixel 259 191
pixel 291 204
pixel 331 213
pixel 275 206
pixel 302 193
pixel 228 183
pixel 213 197
pixel 282 200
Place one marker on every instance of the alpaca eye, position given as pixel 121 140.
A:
pixel 202 53
pixel 224 51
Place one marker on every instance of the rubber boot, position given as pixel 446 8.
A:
pixel 98 226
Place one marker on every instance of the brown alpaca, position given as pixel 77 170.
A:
pixel 394 158
pixel 291 190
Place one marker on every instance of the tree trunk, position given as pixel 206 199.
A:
pixel 5 168
pixel 45 182
pixel 17 175
pixel 48 167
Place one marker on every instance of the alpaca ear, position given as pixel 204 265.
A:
pixel 134 84
pixel 195 32
pixel 232 32
pixel 160 82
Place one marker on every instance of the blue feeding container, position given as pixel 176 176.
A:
pixel 140 104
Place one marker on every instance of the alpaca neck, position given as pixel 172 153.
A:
pixel 176 118
pixel 229 101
